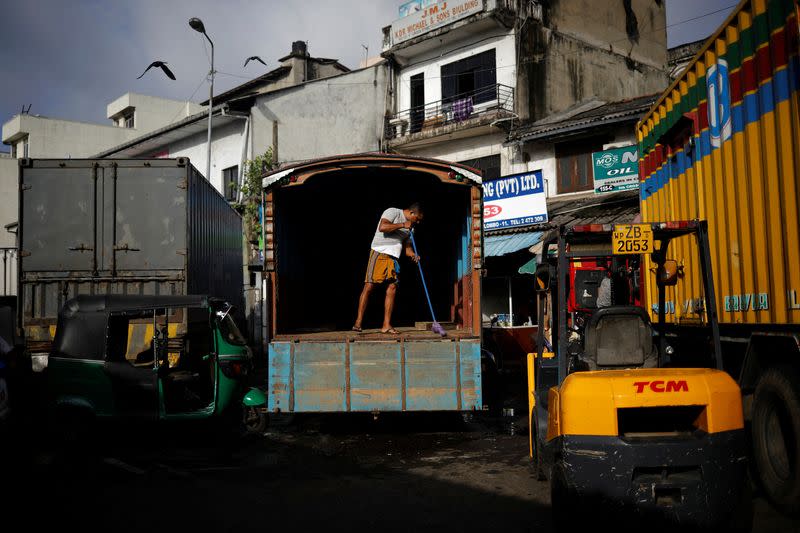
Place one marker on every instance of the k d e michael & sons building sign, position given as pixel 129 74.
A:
pixel 516 200
pixel 424 17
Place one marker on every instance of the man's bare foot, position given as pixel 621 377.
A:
pixel 390 331
pixel 357 328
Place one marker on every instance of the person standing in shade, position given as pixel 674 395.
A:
pixel 390 240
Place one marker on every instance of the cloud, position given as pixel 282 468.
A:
pixel 70 59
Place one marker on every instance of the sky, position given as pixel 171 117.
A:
pixel 69 58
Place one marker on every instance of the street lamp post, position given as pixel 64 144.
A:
pixel 197 25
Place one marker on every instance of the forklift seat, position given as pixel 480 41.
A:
pixel 619 337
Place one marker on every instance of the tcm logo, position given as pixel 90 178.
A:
pixel 662 386
pixel 490 211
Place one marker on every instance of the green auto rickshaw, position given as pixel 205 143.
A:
pixel 151 358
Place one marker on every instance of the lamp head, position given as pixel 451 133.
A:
pixel 197 25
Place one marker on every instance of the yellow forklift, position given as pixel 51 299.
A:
pixel 630 423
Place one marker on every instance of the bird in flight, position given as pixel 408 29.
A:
pixel 162 65
pixel 254 58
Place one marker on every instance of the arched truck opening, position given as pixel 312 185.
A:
pixel 320 220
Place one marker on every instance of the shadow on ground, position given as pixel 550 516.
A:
pixel 410 473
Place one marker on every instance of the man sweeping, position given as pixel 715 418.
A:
pixel 390 240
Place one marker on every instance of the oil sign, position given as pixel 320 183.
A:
pixel 616 170
pixel 515 200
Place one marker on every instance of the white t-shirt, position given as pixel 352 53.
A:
pixel 391 243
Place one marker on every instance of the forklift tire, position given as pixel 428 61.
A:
pixel 565 503
pixel 776 437
pixel 537 464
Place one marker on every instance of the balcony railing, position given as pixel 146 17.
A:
pixel 460 109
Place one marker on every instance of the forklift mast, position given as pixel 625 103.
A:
pixel 592 244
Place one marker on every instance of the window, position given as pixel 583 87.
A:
pixel 489 166
pixel 417 102
pixel 126 120
pixel 230 181
pixel 20 149
pixel 230 332
pixel 126 339
pixel 574 165
pixel 473 76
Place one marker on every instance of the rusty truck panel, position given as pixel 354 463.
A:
pixel 370 376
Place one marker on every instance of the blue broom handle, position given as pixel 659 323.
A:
pixel 422 276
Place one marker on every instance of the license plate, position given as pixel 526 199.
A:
pixel 632 239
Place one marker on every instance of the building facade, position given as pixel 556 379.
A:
pixel 465 75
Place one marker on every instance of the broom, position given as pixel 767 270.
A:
pixel 435 327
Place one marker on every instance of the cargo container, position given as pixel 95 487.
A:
pixel 722 144
pixel 320 219
pixel 147 227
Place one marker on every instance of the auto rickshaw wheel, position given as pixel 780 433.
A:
pixel 73 427
pixel 255 419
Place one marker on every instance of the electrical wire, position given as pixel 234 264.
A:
pixel 172 120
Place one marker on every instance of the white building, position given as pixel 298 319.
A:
pixel 454 84
pixel 9 194
pixel 131 116
pixel 468 73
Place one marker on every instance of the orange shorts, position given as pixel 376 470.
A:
pixel 381 268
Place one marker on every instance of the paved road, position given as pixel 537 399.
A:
pixel 336 473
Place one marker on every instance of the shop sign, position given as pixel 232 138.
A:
pixel 430 17
pixel 616 169
pixel 516 200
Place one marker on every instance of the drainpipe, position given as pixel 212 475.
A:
pixel 386 105
pixel 243 157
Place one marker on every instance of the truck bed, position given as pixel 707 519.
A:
pixel 406 334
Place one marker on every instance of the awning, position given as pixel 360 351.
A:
pixel 497 245
pixel 529 267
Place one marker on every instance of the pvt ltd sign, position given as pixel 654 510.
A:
pixel 516 200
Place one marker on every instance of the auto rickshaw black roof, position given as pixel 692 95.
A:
pixel 119 302
pixel 81 330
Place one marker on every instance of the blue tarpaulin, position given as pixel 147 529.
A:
pixel 497 245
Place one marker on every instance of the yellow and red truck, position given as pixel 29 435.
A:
pixel 722 144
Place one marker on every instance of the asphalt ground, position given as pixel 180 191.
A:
pixel 400 472
pixel 346 472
